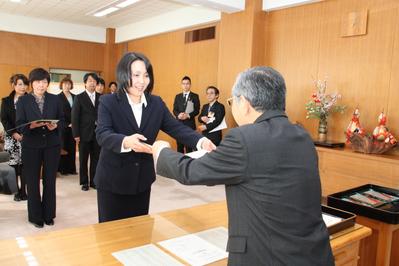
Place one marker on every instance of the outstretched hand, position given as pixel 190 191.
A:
pixel 135 142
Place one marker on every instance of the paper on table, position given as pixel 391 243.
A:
pixel 189 107
pixel 196 154
pixel 221 126
pixel 330 220
pixel 217 236
pixel 194 250
pixel 144 256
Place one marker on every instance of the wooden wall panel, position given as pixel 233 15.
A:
pixel 305 42
pixel 172 59
pixel 20 53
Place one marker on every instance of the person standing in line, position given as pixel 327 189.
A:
pixel 128 123
pixel 100 85
pixel 212 114
pixel 84 123
pixel 12 142
pixel 186 107
pixel 112 87
pixel 41 146
pixel 68 152
pixel 270 170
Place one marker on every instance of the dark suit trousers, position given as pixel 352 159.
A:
pixel 86 149
pixel 180 146
pixel 113 206
pixel 38 160
pixel 67 162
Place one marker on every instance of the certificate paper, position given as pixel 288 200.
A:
pixel 221 126
pixel 144 256
pixel 195 250
pixel 196 154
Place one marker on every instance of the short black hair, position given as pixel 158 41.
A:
pixel 101 81
pixel 124 72
pixel 214 88
pixel 14 79
pixel 112 82
pixel 186 78
pixel 91 74
pixel 39 74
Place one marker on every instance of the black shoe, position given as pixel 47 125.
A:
pixel 85 187
pixel 49 222
pixel 74 173
pixel 23 197
pixel 17 197
pixel 37 224
pixel 93 186
pixel 64 173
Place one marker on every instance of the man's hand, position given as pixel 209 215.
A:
pixel 77 140
pixel 208 145
pixel 157 148
pixel 134 142
pixel 181 116
pixel 17 136
pixel 51 126
pixel 204 119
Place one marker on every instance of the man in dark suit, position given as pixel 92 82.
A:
pixel 212 114
pixel 270 169
pixel 186 107
pixel 84 122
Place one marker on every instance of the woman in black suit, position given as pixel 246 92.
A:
pixel 68 152
pixel 127 119
pixel 40 146
pixel 212 114
pixel 13 139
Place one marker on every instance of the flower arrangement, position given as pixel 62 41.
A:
pixel 322 103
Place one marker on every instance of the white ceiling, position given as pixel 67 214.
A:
pixel 74 11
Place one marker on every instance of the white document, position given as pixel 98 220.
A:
pixel 144 256
pixel 196 154
pixel 189 107
pixel 194 249
pixel 217 236
pixel 330 220
pixel 221 126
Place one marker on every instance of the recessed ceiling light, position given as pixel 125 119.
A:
pixel 15 1
pixel 127 3
pixel 106 11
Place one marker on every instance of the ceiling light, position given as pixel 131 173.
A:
pixel 126 3
pixel 106 11
pixel 15 1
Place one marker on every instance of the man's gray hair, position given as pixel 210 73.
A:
pixel 263 87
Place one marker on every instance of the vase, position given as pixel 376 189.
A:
pixel 322 130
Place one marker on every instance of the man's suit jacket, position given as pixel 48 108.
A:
pixel 179 106
pixel 270 169
pixel 131 172
pixel 219 112
pixel 84 117
pixel 28 111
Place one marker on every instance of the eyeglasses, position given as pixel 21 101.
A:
pixel 230 101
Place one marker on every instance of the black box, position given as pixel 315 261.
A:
pixel 348 219
pixel 387 212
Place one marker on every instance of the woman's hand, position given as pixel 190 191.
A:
pixel 205 119
pixel 17 136
pixel 135 143
pixel 51 126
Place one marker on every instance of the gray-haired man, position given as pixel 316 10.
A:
pixel 270 170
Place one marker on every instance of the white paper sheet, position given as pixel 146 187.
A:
pixel 195 250
pixel 221 126
pixel 217 236
pixel 330 220
pixel 144 256
pixel 196 154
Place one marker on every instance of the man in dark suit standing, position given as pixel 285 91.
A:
pixel 186 107
pixel 84 122
pixel 270 169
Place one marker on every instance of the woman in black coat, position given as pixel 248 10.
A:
pixel 13 138
pixel 68 153
pixel 41 146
